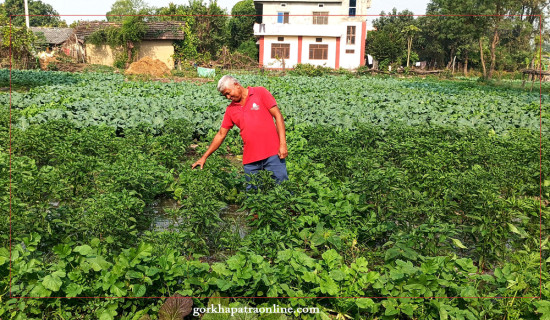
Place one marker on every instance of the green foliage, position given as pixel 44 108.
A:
pixel 40 14
pixel 408 188
pixel 241 24
pixel 121 9
pixel 249 48
pixel 17 43
pixel 309 70
pixel 388 42
pixel 205 29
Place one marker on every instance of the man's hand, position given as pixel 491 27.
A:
pixel 283 152
pixel 200 162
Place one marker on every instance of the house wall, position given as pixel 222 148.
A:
pixel 336 41
pixel 156 49
pixel 331 55
pixel 301 12
pixel 271 63
pixel 102 54
pixel 300 25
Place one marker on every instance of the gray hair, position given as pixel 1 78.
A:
pixel 227 81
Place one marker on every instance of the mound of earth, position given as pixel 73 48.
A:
pixel 147 65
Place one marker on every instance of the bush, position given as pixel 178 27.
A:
pixel 362 70
pixel 306 69
pixel 249 48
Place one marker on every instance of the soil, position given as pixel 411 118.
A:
pixel 147 65
pixel 61 65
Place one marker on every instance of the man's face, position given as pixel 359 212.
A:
pixel 233 93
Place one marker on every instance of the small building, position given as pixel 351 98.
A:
pixel 328 33
pixel 53 40
pixel 157 43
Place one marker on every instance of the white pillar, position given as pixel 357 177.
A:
pixel 26 13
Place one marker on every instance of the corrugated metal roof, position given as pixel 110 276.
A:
pixel 165 30
pixel 54 35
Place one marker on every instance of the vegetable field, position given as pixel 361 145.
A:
pixel 421 196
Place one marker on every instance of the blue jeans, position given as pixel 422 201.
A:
pixel 274 164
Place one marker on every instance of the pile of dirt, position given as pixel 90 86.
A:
pixel 146 65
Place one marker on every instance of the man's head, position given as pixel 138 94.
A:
pixel 230 87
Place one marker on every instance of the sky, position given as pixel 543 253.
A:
pixel 100 7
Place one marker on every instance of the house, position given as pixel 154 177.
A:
pixel 319 32
pixel 157 43
pixel 53 40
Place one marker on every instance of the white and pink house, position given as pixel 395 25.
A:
pixel 329 33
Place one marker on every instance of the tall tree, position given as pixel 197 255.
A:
pixel 122 8
pixel 410 32
pixel 205 28
pixel 241 24
pixel 387 44
pixel 40 14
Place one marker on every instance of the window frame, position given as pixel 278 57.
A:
pixel 315 49
pixel 350 36
pixel 320 17
pixel 280 47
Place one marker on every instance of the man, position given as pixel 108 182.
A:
pixel 253 109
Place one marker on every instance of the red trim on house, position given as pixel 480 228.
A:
pixel 261 51
pixel 299 49
pixel 337 65
pixel 363 41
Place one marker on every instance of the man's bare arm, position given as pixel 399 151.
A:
pixel 216 143
pixel 281 131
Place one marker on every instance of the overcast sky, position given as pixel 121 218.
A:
pixel 100 7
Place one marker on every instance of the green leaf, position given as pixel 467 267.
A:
pixel 329 286
pixel 337 275
pixel 52 282
pixel 118 289
pixel 84 250
pixel 332 258
pixel 364 303
pixel 4 256
pixel 407 309
pixel 223 285
pixel 98 263
pixel 458 243
pixel 73 290
pixel 40 291
pixel 138 290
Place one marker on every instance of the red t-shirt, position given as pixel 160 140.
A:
pixel 258 130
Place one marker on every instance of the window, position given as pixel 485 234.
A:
pixel 280 38
pixel 321 5
pixel 350 51
pixel 318 51
pixel 283 4
pixel 280 50
pixel 351 35
pixel 318 39
pixel 352 7
pixel 320 17
pixel 282 17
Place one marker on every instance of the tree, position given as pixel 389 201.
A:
pixel 387 43
pixel 17 42
pixel 40 14
pixel 410 31
pixel 241 24
pixel 122 8
pixel 205 29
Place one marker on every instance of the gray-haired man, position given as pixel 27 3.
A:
pixel 253 109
